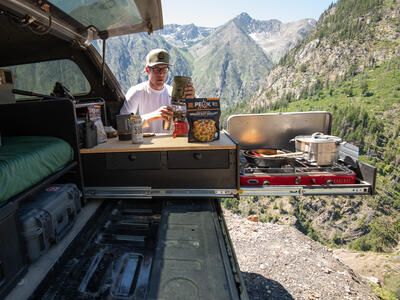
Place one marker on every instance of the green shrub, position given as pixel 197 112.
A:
pixel 361 244
pixel 231 204
pixel 383 236
pixel 383 293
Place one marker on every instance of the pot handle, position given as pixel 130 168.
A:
pixel 320 135
pixel 317 135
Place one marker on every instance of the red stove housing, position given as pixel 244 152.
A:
pixel 297 179
pixel 300 177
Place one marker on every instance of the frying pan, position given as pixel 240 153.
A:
pixel 276 160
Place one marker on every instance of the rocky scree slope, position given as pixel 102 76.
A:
pixel 279 262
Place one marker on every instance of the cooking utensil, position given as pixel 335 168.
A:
pixel 318 149
pixel 283 154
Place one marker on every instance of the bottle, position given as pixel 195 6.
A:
pixel 137 131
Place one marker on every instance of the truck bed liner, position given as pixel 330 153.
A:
pixel 148 249
pixel 191 260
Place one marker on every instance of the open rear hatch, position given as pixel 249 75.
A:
pixel 84 21
pixel 270 164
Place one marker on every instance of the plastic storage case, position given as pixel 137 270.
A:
pixel 13 262
pixel 48 217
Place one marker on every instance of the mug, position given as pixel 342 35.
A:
pixel 124 127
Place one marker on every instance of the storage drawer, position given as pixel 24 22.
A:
pixel 133 161
pixel 214 159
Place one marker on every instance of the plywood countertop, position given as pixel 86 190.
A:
pixel 160 143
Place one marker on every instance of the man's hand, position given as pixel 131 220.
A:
pixel 164 112
pixel 189 91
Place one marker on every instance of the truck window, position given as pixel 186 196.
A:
pixel 41 77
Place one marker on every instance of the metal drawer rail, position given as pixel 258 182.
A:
pixel 148 192
pixel 362 188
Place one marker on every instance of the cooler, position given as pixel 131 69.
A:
pixel 48 217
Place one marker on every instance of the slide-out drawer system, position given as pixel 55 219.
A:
pixel 165 170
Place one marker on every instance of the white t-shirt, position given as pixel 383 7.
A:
pixel 143 99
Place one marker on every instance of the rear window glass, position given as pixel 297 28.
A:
pixel 41 77
pixel 104 14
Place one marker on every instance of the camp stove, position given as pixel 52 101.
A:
pixel 270 164
pixel 295 172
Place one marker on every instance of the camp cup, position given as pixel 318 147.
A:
pixel 124 127
pixel 178 89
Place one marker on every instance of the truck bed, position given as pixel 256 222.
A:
pixel 141 249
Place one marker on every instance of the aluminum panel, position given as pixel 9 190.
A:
pixel 275 130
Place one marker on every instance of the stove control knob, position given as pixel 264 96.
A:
pixel 266 182
pixel 252 181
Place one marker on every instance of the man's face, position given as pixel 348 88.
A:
pixel 157 76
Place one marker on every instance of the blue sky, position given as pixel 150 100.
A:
pixel 212 13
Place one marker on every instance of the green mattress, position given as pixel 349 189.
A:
pixel 26 160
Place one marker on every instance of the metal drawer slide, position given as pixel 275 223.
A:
pixel 148 193
pixel 362 188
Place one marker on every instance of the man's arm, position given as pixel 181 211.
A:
pixel 131 103
pixel 164 112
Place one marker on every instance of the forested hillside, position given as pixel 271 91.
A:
pixel 350 66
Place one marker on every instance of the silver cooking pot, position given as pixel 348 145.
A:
pixel 318 148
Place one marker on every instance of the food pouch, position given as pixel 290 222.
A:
pixel 203 118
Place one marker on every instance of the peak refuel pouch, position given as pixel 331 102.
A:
pixel 203 118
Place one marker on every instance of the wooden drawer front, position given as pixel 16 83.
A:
pixel 216 159
pixel 133 161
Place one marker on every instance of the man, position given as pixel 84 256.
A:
pixel 152 99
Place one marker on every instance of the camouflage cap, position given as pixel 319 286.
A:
pixel 157 57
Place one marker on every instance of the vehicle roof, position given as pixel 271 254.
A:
pixel 27 27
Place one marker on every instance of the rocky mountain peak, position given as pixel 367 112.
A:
pixel 243 19
pixel 250 25
pixel 184 35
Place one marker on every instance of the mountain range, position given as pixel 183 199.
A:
pixel 227 62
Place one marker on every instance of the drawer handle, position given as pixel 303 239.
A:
pixel 197 156
pixel 132 157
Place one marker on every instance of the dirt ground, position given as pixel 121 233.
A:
pixel 381 268
pixel 279 262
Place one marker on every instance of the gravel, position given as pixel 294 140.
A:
pixel 279 262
